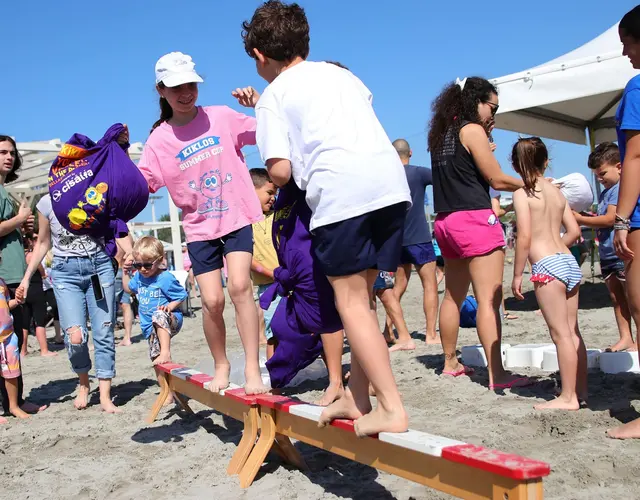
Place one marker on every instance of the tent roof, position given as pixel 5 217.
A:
pixel 37 157
pixel 564 97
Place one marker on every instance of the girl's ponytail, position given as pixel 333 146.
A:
pixel 166 112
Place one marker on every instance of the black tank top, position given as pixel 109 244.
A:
pixel 457 183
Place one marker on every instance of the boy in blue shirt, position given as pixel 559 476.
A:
pixel 605 162
pixel 159 297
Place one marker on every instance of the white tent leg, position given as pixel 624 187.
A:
pixel 175 235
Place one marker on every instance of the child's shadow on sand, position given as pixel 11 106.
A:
pixel 56 391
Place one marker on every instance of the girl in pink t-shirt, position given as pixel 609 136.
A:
pixel 196 153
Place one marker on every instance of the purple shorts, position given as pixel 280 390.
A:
pixel 418 254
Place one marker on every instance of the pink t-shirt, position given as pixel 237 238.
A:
pixel 202 166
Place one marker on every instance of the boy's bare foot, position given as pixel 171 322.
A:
pixel 3 420
pixel 380 420
pixel 623 345
pixel 432 340
pixel 82 399
pixel 24 354
pixel 169 401
pixel 334 392
pixel 124 343
pixel 220 378
pixel 48 354
pixel 405 346
pixel 253 383
pixel 33 408
pixel 163 357
pixel 345 407
pixel 18 412
pixel 559 404
pixel 108 406
pixel 629 430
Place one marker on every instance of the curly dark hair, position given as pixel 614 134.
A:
pixel 606 153
pixel 279 31
pixel 630 23
pixel 455 105
pixel 529 158
pixel 17 162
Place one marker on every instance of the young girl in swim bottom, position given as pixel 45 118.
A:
pixel 541 212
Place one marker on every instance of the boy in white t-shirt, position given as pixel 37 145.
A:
pixel 315 124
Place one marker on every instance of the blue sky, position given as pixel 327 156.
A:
pixel 81 66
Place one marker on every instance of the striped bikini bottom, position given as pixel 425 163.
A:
pixel 561 266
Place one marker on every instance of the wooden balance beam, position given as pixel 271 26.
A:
pixel 233 402
pixel 454 467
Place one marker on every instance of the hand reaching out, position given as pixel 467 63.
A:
pixel 516 287
pixel 247 96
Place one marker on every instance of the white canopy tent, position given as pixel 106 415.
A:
pixel 570 96
pixel 33 180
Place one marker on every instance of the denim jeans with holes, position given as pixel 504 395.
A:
pixel 71 278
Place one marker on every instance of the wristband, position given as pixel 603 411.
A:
pixel 621 226
pixel 623 220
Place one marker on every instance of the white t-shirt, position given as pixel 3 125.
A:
pixel 66 244
pixel 319 116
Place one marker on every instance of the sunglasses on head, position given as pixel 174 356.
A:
pixel 144 265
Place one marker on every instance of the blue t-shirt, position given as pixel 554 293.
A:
pixel 605 234
pixel 416 229
pixel 628 118
pixel 153 292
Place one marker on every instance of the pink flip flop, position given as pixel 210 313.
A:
pixel 518 382
pixel 464 370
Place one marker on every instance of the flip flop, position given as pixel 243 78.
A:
pixel 514 383
pixel 465 370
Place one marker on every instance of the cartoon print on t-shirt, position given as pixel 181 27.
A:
pixel 94 196
pixel 210 186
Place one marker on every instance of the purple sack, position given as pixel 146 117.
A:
pixel 95 188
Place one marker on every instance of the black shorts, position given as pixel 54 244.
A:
pixel 206 256
pixel 369 241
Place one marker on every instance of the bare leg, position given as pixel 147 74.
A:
pixel 271 350
pixel 401 282
pixel 583 365
pixel 11 385
pixel 165 346
pixel 552 298
pixel 332 346
pixel 41 335
pixel 394 311
pixel 241 293
pixel 214 328
pixel 105 396
pixel 25 342
pixel 618 296
pixel 263 337
pixel 457 280
pixel 439 275
pixel 82 399
pixel 369 351
pixel 127 316
pixel 58 339
pixel 427 273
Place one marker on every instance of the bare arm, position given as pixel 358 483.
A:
pixel 40 251
pixel 8 226
pixel 571 225
pixel 497 209
pixel 256 267
pixel 474 138
pixel 599 221
pixel 125 282
pixel 279 170
pixel 629 185
pixel 523 222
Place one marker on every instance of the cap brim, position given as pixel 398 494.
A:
pixel 181 78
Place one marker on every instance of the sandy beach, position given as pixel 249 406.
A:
pixel 64 453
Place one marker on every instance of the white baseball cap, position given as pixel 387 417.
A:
pixel 175 69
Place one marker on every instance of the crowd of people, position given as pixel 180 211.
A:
pixel 335 220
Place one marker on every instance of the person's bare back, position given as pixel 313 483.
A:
pixel 548 213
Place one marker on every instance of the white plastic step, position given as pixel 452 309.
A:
pixel 619 362
pixel 550 359
pixel 473 355
pixel 526 355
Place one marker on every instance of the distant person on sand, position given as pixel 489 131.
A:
pixel 417 249
pixel 541 212
pixel 605 163
pixel 355 186
pixel 383 287
pixel 467 230
pixel 627 221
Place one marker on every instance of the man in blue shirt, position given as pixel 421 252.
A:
pixel 417 248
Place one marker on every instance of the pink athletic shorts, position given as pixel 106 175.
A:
pixel 470 233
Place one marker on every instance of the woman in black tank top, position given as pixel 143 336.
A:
pixel 468 232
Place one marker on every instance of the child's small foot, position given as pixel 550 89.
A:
pixel 108 406
pixel 345 407
pixel 380 420
pixel 509 317
pixel 432 339
pixel 163 357
pixel 559 404
pixel 220 378
pixel 630 430
pixel 82 399
pixel 334 392
pixel 404 346
pixel 124 343
pixel 18 412
pixel 48 354
pixel 33 408
pixel 3 420
pixel 254 383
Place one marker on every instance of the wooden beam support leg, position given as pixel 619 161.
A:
pixel 247 442
pixel 162 397
pixel 530 490
pixel 183 402
pixel 259 453
pixel 291 454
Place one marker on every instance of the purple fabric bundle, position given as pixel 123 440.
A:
pixel 95 188
pixel 308 307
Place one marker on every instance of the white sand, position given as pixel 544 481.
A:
pixel 63 453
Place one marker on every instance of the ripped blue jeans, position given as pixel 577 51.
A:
pixel 71 277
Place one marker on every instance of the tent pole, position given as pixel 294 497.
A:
pixel 592 147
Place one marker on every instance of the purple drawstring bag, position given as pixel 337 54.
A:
pixel 95 188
